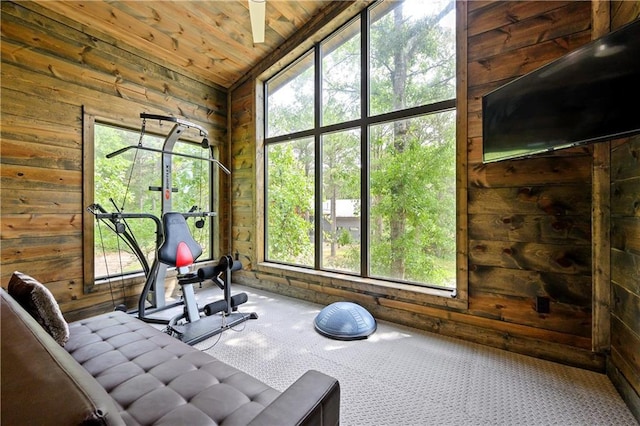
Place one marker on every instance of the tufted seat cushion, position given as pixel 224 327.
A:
pixel 156 379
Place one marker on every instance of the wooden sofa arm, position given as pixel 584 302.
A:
pixel 313 399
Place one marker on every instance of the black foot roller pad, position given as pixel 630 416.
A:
pixel 197 331
pixel 345 321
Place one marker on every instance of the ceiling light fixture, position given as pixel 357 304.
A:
pixel 257 14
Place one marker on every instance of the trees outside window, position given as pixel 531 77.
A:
pixel 290 193
pixel 360 149
pixel 124 183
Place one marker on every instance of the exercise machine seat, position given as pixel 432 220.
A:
pixel 179 249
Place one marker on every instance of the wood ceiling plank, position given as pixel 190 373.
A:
pixel 286 17
pixel 210 41
pixel 223 27
pixel 184 23
pixel 129 31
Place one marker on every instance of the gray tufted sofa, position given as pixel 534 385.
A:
pixel 116 369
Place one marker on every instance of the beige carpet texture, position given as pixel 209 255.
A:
pixel 405 376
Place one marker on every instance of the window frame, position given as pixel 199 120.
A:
pixel 89 121
pixel 457 297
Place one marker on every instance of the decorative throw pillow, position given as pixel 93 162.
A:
pixel 36 299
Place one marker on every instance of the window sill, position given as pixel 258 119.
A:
pixel 126 280
pixel 376 287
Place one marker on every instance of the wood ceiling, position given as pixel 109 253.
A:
pixel 210 41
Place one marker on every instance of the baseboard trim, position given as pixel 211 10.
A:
pixel 624 388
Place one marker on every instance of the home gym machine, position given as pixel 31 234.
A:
pixel 176 248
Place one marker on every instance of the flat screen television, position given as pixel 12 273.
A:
pixel 591 94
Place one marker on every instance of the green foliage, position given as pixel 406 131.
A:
pixel 414 190
pixel 289 207
pixel 344 238
pixel 411 161
pixel 291 99
pixel 122 182
pixel 341 77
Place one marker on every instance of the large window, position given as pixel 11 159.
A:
pixel 360 146
pixel 131 183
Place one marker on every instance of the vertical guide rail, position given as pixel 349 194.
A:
pixel 155 286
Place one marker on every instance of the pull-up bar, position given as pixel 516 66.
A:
pixel 161 151
pixel 144 116
pixel 171 138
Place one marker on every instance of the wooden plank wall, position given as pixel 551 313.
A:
pixel 625 270
pixel 624 362
pixel 529 221
pixel 51 68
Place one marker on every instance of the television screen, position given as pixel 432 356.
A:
pixel 589 95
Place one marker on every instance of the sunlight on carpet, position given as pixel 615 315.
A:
pixel 403 376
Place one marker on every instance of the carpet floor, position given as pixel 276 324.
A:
pixel 405 376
